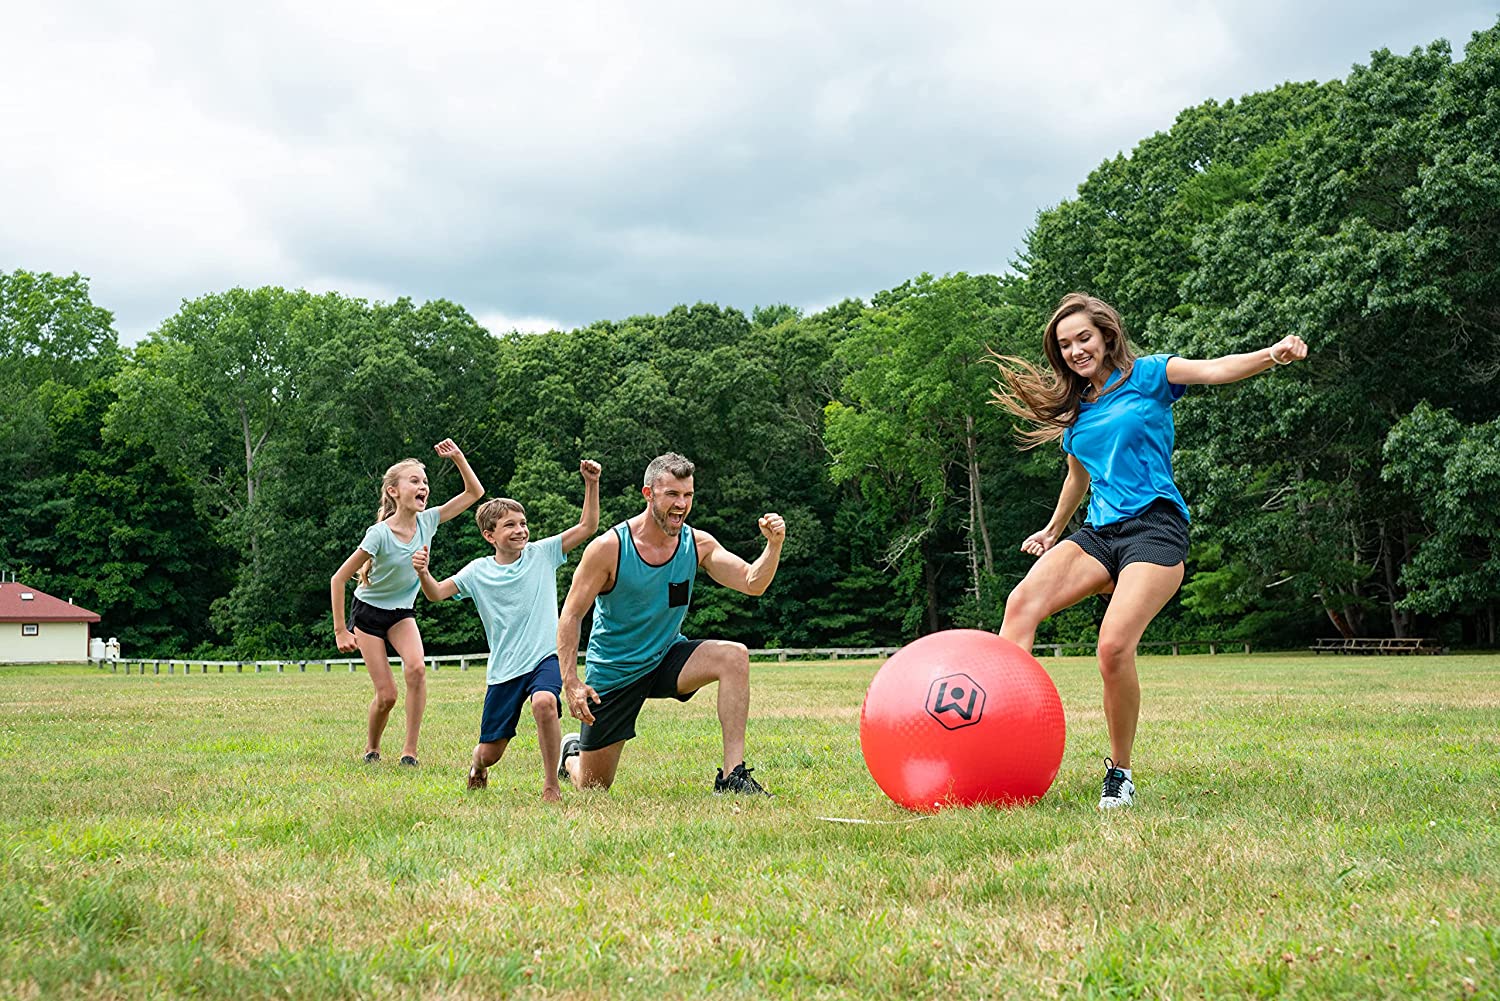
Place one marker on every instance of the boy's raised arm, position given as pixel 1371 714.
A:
pixel 588 521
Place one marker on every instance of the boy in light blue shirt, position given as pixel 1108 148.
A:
pixel 515 594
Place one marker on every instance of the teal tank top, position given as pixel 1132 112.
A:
pixel 637 621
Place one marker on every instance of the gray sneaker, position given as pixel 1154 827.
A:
pixel 1118 789
pixel 571 745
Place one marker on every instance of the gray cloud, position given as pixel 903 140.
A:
pixel 601 160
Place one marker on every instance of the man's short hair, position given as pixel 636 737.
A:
pixel 670 464
pixel 492 510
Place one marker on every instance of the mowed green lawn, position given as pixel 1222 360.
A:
pixel 1305 828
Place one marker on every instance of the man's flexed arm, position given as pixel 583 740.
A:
pixel 594 575
pixel 731 571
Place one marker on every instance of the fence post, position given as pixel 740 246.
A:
pixel 1212 649
pixel 304 667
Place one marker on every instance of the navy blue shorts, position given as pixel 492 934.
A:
pixel 503 701
pixel 614 716
pixel 1157 535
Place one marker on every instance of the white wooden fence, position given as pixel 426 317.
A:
pixel 436 662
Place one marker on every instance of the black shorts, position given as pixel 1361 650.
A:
pixel 377 621
pixel 1157 535
pixel 503 701
pixel 614 716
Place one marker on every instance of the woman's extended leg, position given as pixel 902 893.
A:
pixel 1141 592
pixel 1064 576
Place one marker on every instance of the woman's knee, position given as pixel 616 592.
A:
pixel 1116 653
pixel 1023 605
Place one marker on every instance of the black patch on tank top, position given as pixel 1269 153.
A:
pixel 677 593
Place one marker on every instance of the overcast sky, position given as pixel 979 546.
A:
pixel 547 165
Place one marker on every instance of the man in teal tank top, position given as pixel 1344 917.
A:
pixel 639 577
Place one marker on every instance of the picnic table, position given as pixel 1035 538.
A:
pixel 1375 645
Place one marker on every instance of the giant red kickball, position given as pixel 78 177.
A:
pixel 962 717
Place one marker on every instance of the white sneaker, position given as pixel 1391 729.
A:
pixel 568 748
pixel 1118 789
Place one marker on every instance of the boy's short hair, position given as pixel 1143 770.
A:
pixel 670 464
pixel 492 510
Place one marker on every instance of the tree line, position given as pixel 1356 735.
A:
pixel 198 488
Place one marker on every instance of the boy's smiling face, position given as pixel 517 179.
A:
pixel 509 536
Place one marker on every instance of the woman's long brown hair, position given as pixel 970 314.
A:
pixel 1049 401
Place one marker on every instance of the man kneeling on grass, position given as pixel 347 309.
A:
pixel 515 594
pixel 639 577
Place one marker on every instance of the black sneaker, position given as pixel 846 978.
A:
pixel 372 757
pixel 571 745
pixel 409 761
pixel 738 782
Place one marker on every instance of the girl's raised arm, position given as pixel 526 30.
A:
pixel 473 489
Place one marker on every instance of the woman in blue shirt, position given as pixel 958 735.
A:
pixel 1112 412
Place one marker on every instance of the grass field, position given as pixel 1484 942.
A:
pixel 1306 828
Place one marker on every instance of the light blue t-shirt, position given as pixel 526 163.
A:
pixel 391 582
pixel 1124 439
pixel 517 602
pixel 639 619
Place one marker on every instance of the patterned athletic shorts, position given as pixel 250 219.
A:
pixel 1157 535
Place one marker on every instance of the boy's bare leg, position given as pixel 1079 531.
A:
pixel 485 755
pixel 549 736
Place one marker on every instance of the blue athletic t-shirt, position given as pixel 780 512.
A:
pixel 392 583
pixel 517 602
pixel 1124 439
pixel 637 621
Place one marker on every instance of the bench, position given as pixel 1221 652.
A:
pixel 1375 645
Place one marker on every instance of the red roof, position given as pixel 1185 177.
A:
pixel 40 607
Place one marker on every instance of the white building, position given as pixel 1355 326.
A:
pixel 38 628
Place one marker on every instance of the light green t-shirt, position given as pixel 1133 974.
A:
pixel 391 582
pixel 517 602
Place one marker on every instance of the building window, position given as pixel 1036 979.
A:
pixel 30 629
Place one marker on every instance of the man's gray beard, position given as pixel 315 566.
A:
pixel 664 525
